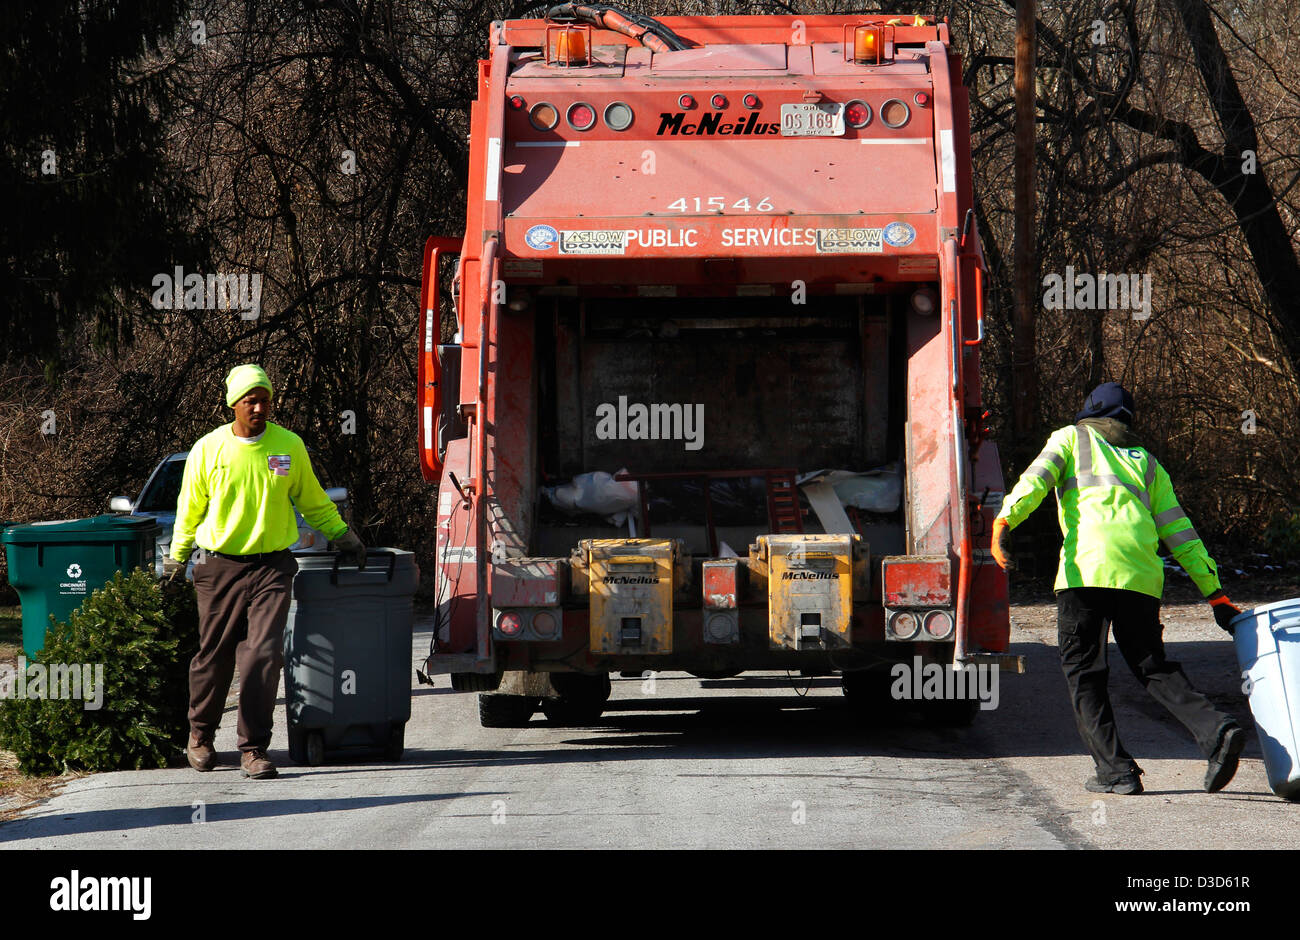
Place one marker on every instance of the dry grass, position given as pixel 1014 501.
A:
pixel 20 793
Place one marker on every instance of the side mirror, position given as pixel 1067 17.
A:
pixel 337 494
pixel 121 504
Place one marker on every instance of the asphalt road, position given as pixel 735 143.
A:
pixel 760 761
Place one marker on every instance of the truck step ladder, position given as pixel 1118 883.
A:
pixel 783 509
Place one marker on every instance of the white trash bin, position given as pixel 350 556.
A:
pixel 1268 650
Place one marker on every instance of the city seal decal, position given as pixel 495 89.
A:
pixel 899 234
pixel 541 237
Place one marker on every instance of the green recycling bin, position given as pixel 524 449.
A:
pixel 54 566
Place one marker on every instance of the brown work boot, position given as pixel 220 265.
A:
pixel 255 764
pixel 200 754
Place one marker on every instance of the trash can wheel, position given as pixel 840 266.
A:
pixel 298 746
pixel 396 743
pixel 315 748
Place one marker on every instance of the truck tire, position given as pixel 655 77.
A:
pixel 868 696
pixel 581 699
pixel 949 713
pixel 505 711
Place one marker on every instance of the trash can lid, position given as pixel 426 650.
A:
pixel 109 527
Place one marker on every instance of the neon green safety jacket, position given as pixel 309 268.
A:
pixel 235 497
pixel 1114 503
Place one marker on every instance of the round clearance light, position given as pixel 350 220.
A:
pixel 904 625
pixel 924 301
pixel 750 101
pixel 510 623
pixel 517 102
pixel 894 113
pixel 921 99
pixel 719 627
pixel 938 624
pixel 581 116
pixel 718 101
pixel 686 102
pixel 544 623
pixel 857 114
pixel 544 117
pixel 618 116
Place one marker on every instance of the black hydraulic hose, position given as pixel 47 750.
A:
pixel 594 14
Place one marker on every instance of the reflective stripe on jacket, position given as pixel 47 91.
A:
pixel 1114 504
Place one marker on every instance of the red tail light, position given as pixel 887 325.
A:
pixel 686 102
pixel 718 101
pixel 750 101
pixel 511 624
pixel 582 117
pixel 857 114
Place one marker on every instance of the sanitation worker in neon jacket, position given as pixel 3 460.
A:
pixel 238 493
pixel 1115 504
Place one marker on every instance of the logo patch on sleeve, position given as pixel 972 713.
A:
pixel 279 464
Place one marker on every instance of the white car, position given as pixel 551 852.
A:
pixel 161 490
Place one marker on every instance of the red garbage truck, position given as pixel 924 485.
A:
pixel 713 399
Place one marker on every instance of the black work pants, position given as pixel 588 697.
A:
pixel 1083 618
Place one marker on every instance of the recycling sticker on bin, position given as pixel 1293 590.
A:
pixel 75 583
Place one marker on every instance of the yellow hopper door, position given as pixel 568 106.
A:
pixel 809 589
pixel 631 592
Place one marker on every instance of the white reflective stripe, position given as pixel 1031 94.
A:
pixel 1169 515
pixel 428 427
pixel 1085 476
pixel 1052 457
pixel 547 143
pixel 1182 537
pixel 948 158
pixel 1043 473
pixel 1150 476
pixel 428 331
pixel 493 169
pixel 897 140
pixel 1083 462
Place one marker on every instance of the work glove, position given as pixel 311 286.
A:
pixel 1002 544
pixel 1224 610
pixel 173 570
pixel 351 549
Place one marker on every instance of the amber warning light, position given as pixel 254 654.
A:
pixel 867 44
pixel 569 45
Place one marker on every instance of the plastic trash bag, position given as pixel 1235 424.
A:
pixel 879 490
pixel 596 492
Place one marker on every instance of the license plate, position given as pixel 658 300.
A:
pixel 807 119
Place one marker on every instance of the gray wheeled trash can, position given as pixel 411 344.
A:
pixel 347 655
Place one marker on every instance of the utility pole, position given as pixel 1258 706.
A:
pixel 1023 367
